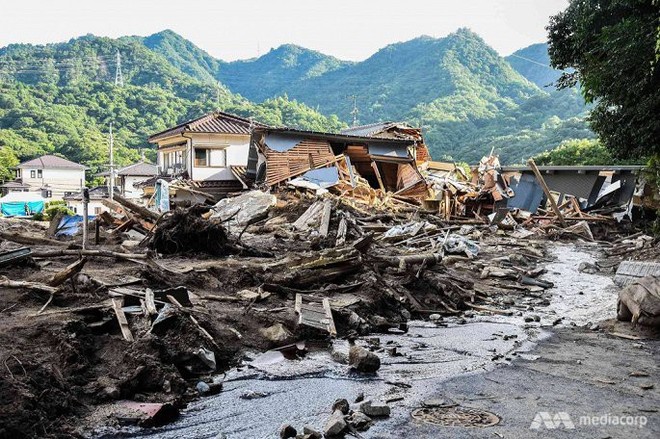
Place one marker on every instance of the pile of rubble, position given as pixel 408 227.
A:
pixel 154 305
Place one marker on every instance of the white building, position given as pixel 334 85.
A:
pixel 95 206
pixel 127 177
pixel 211 150
pixel 52 175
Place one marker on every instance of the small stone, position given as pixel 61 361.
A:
pixel 373 409
pixel 529 319
pixel 202 388
pixel 287 431
pixel 594 327
pixel 435 317
pixel 536 318
pixel 167 386
pixel 310 433
pixel 335 425
pixel 341 405
pixel 406 314
pixel 363 360
pixel 360 397
pixel 111 392
pixel 439 402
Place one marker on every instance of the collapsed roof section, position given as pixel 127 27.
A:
pixel 279 154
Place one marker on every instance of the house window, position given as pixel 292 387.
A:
pixel 33 174
pixel 40 173
pixel 218 158
pixel 201 157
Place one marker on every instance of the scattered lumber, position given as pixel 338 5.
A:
pixel 137 209
pixel 91 253
pixel 30 240
pixel 36 286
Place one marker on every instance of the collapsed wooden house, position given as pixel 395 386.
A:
pixel 278 155
pixel 395 130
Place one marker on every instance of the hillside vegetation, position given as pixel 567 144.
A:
pixel 61 98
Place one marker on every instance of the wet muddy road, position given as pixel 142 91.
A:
pixel 428 360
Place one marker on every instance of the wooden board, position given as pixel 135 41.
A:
pixel 316 313
pixel 117 304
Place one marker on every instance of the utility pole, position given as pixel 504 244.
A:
pixel 85 200
pixel 354 111
pixel 111 189
pixel 119 78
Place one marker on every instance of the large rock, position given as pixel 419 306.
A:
pixel 363 360
pixel 245 209
pixel 359 421
pixel 335 425
pixel 277 334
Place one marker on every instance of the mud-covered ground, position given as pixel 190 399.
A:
pixel 64 370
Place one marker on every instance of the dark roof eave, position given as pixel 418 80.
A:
pixel 337 137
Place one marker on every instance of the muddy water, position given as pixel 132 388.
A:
pixel 268 392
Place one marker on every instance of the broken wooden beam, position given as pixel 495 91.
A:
pixel 137 209
pixel 70 271
pixel 30 240
pixel 326 214
pixel 36 286
pixel 117 304
pixel 92 253
pixel 546 190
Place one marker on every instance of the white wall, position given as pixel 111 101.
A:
pixel 129 190
pixel 58 180
pixel 77 207
pixel 237 149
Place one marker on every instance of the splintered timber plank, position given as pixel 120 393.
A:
pixel 117 304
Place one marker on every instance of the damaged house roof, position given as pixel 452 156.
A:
pixel 217 122
pixel 385 130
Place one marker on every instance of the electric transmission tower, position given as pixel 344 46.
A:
pixel 354 111
pixel 119 78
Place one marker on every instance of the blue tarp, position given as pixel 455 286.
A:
pixel 70 225
pixel 22 208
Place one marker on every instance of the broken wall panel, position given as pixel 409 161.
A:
pixel 304 156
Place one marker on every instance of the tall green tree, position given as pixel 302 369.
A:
pixel 613 47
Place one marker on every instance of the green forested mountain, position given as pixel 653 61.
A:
pixel 467 98
pixel 533 62
pixel 61 98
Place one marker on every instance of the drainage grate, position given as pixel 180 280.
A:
pixel 456 416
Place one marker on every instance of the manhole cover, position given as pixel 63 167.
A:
pixel 456 416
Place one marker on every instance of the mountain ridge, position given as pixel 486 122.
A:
pixel 466 97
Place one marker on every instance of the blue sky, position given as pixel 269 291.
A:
pixel 237 29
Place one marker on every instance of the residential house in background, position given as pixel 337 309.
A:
pixel 126 178
pixel 97 194
pixel 53 176
pixel 211 150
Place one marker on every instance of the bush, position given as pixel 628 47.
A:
pixel 53 208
